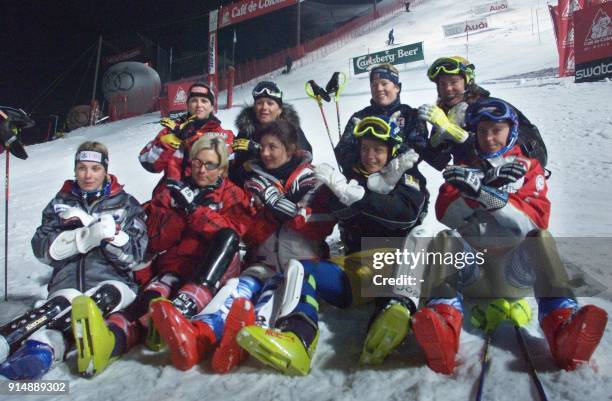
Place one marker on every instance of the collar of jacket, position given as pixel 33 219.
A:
pixel 385 110
pixel 282 174
pixel 247 123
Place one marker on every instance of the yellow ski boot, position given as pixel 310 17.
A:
pixel 386 333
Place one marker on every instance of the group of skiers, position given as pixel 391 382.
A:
pixel 173 271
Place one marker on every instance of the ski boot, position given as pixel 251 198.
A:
pixel 229 354
pixel 188 340
pixel 387 331
pixel 30 362
pixel 437 330
pixel 574 335
pixel 288 348
pixel 94 340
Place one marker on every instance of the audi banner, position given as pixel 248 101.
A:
pixel 246 9
pixel 593 42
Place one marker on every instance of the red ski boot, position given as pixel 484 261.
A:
pixel 188 340
pixel 229 354
pixel 437 330
pixel 573 337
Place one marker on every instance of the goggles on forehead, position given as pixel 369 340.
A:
pixel 493 110
pixel 448 66
pixel 376 127
pixel 267 89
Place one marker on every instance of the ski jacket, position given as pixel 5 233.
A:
pixel 169 151
pixel 105 262
pixel 247 125
pixel 181 239
pixel 378 215
pixel 413 131
pixel 272 240
pixel 527 209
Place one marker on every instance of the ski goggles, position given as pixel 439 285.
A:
pixel 450 66
pixel 492 110
pixel 197 164
pixel 377 127
pixel 267 89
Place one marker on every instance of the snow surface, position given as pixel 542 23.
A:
pixel 576 124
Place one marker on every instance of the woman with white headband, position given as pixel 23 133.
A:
pixel 92 235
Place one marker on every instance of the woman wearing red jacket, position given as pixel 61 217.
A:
pixel 496 205
pixel 167 152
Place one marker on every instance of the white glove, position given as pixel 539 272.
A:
pixel 90 237
pixel 385 180
pixel 76 213
pixel 347 193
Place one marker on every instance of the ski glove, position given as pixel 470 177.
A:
pixel 347 192
pixel 384 181
pixel 264 189
pixel 318 92
pixel 246 145
pixel 90 237
pixel 505 174
pixel 171 140
pixel 75 215
pixel 182 195
pixel 448 130
pixel 469 182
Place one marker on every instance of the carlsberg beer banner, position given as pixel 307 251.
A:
pixel 494 7
pixel 461 28
pixel 398 55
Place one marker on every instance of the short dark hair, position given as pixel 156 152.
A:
pixel 285 131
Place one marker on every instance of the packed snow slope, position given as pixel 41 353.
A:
pixel 513 64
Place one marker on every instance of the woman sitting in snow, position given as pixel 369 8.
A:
pixel 194 228
pixel 92 235
pixel 496 200
pixel 268 107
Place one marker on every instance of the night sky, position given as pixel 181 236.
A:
pixel 42 39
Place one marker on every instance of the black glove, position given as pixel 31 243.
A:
pixel 202 198
pixel 466 180
pixel 505 174
pixel 182 194
pixel 264 189
pixel 318 91
pixel 332 85
pixel 246 145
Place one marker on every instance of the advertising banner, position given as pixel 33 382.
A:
pixel 565 35
pixel 464 27
pixel 593 42
pixel 177 95
pixel 494 7
pixel 399 55
pixel 245 9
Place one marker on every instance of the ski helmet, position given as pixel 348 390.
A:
pixel 380 128
pixel 455 65
pixel 496 110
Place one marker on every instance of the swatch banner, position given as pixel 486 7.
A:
pixel 593 42
pixel 466 27
pixel 494 7
pixel 246 9
pixel 565 35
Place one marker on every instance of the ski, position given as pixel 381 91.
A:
pixel 531 367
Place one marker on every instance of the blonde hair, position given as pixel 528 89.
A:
pixel 216 144
pixel 93 146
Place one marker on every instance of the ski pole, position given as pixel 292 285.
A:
pixel 317 93
pixel 520 314
pixel 6 211
pixel 336 86
pixel 496 312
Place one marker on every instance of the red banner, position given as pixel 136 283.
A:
pixel 565 35
pixel 245 9
pixel 177 95
pixel 593 42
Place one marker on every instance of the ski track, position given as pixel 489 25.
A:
pixel 576 125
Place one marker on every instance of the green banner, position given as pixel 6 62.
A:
pixel 399 55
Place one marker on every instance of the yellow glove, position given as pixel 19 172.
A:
pixel 447 130
pixel 169 123
pixel 171 140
